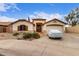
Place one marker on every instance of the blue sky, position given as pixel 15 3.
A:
pixel 11 12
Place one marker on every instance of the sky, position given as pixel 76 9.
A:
pixel 15 11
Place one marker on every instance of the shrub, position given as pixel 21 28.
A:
pixel 27 35
pixel 35 35
pixel 31 35
pixel 15 34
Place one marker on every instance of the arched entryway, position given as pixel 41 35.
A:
pixel 39 27
pixel 22 28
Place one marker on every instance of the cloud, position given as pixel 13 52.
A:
pixel 6 6
pixel 7 19
pixel 46 15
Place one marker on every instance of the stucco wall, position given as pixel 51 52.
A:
pixel 15 25
pixel 9 29
pixel 39 21
pixel 1 29
pixel 74 29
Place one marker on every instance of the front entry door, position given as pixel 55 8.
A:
pixel 39 27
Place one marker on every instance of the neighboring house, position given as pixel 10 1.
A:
pixel 38 25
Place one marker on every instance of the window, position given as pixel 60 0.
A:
pixel 22 28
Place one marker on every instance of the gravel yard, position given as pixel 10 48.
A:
pixel 68 46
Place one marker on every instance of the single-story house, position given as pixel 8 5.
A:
pixel 38 25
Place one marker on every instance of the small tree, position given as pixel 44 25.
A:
pixel 73 17
pixel 74 23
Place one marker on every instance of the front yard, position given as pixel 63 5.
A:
pixel 44 46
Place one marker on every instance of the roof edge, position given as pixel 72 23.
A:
pixel 53 20
pixel 21 20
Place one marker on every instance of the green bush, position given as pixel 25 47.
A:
pixel 15 34
pixel 35 35
pixel 31 35
pixel 27 35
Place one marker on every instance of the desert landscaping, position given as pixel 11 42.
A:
pixel 69 45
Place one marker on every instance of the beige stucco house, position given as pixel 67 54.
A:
pixel 38 25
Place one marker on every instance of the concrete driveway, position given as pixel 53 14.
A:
pixel 44 46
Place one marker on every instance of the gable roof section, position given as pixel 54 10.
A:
pixel 21 20
pixel 55 19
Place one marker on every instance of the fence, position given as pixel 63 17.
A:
pixel 74 29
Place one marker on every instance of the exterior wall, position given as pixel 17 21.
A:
pixel 38 21
pixel 74 29
pixel 1 29
pixel 9 29
pixel 15 26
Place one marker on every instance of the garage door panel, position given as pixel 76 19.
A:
pixel 55 27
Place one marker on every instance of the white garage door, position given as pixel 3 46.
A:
pixel 55 27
